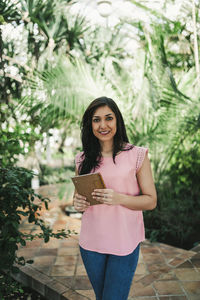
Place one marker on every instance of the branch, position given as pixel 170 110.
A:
pixel 196 53
pixel 14 77
pixel 14 61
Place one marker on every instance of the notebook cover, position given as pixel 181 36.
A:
pixel 87 183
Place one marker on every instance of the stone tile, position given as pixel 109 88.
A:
pixel 34 279
pixel 168 287
pixel 34 244
pixel 43 261
pixel 26 231
pixel 153 258
pixel 68 251
pixel 69 242
pixel 137 277
pixel 166 249
pixel 65 280
pixel 141 269
pixel 196 256
pixel 196 260
pixel 81 270
pixel 39 284
pixel 168 276
pixel 187 274
pixel 187 264
pixel 52 244
pixel 194 297
pixel 36 231
pixel 70 295
pixel 169 257
pixel 187 255
pixel 66 260
pixel 142 298
pixel 23 277
pixel 176 261
pixel 82 283
pixel 29 270
pixel 47 252
pixel 150 250
pixel 67 270
pixel 88 293
pixel 54 289
pixel 196 248
pixel 60 259
pixel 27 252
pixel 45 270
pixel 150 278
pixel 158 267
pixel 192 288
pixel 140 259
pixel 173 298
pixel 80 261
pixel 137 289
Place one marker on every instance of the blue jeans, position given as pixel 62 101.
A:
pixel 110 275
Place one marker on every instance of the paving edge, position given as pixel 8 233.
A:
pixel 44 285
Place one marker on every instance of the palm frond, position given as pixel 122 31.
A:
pixel 9 11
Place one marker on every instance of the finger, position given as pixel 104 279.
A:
pixel 81 207
pixel 80 197
pixel 103 190
pixel 100 194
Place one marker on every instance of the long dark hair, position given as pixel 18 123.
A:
pixel 91 146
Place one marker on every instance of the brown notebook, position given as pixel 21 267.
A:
pixel 87 183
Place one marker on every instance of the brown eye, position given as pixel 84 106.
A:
pixel 95 120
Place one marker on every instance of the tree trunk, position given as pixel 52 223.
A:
pixel 196 52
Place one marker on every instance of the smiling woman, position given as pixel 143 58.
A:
pixel 111 232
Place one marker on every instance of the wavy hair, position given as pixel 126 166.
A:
pixel 91 146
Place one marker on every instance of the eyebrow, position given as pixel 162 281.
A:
pixel 105 115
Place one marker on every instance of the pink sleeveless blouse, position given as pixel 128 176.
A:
pixel 115 229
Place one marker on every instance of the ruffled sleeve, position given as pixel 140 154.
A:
pixel 141 152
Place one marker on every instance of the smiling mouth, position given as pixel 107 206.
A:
pixel 104 132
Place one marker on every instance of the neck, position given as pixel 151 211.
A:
pixel 107 148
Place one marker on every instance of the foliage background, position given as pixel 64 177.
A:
pixel 54 61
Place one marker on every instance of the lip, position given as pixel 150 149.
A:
pixel 104 132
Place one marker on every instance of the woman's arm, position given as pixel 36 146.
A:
pixel 146 201
pixel 79 201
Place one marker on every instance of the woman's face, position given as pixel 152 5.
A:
pixel 104 124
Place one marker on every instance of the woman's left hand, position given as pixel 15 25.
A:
pixel 106 196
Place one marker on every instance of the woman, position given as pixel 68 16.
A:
pixel 112 231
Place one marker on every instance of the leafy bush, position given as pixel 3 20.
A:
pixel 18 200
pixel 176 219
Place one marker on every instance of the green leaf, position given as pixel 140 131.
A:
pixel 46 204
pixel 31 218
pixel 23 242
pixel 46 239
pixel 15 270
pixel 30 261
pixel 23 213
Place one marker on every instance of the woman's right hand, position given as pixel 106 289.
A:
pixel 80 203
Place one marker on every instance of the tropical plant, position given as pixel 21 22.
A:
pixel 18 200
pixel 51 27
pixel 176 219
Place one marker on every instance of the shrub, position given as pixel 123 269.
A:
pixel 18 200
pixel 176 219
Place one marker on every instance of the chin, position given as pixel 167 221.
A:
pixel 105 138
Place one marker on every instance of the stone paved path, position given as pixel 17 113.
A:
pixel 163 272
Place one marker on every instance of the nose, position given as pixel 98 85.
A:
pixel 103 124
